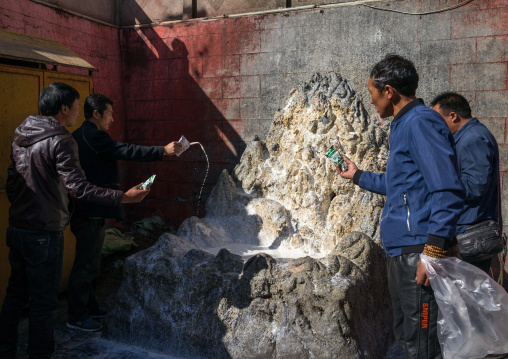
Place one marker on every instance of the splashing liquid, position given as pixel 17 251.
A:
pixel 206 175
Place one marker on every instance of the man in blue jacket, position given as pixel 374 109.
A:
pixel 99 155
pixel 424 196
pixel 478 160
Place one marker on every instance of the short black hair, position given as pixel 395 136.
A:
pixel 396 71
pixel 54 96
pixel 452 101
pixel 96 101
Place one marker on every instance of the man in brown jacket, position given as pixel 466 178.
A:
pixel 44 171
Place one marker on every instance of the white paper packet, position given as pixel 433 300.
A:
pixel 185 144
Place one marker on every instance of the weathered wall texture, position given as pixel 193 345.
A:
pixel 220 82
pixel 97 44
pixel 131 12
pixel 103 10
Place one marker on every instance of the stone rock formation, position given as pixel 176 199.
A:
pixel 188 302
pixel 284 197
pixel 290 195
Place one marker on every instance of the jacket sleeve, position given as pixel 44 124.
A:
pixel 74 180
pixel 102 143
pixel 476 166
pixel 431 149
pixel 373 182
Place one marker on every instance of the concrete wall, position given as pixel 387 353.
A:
pixel 220 82
pixel 131 12
pixel 218 8
pixel 96 9
pixel 145 11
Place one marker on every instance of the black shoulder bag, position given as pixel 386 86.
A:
pixel 483 240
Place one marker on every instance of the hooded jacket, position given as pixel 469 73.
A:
pixel 424 193
pixel 44 171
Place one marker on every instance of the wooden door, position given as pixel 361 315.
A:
pixel 19 98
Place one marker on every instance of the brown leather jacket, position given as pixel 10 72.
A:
pixel 44 171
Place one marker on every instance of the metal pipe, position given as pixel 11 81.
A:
pixel 75 13
pixel 118 9
pixel 213 18
pixel 264 12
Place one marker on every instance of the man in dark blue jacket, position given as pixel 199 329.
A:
pixel 424 196
pixel 99 155
pixel 478 160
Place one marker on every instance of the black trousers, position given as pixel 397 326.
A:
pixel 414 309
pixel 36 269
pixel 89 235
pixel 483 265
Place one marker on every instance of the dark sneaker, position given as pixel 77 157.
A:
pixel 87 325
pixel 98 313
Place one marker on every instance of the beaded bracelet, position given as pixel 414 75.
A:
pixel 433 251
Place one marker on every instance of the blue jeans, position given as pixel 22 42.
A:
pixel 36 269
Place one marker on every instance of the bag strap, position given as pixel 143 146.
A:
pixel 499 215
pixel 501 256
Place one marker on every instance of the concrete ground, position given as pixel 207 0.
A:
pixel 74 344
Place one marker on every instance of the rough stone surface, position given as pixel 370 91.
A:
pixel 189 302
pixel 178 297
pixel 288 195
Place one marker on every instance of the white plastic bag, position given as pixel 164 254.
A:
pixel 473 309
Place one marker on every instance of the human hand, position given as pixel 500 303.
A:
pixel 421 275
pixel 135 194
pixel 351 169
pixel 173 148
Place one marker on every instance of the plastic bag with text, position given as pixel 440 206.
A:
pixel 473 309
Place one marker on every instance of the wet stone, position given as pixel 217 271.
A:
pixel 287 261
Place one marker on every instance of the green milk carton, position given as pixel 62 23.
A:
pixel 336 158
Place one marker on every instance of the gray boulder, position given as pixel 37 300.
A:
pixel 191 303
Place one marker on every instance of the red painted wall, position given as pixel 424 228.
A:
pixel 207 80
pixel 175 84
pixel 220 82
pixel 97 44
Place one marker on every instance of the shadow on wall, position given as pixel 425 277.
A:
pixel 166 96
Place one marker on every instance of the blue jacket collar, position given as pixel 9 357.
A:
pixel 472 122
pixel 408 107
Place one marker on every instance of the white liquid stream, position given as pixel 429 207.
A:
pixel 206 175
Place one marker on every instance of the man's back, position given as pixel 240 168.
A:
pixel 478 160
pixel 44 171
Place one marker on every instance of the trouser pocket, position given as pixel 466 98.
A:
pixel 36 248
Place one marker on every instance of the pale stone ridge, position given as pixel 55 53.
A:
pixel 287 194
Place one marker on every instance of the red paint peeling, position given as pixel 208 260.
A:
pixel 191 79
pixel 474 23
